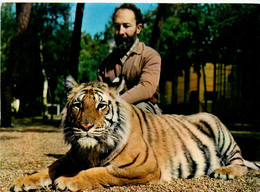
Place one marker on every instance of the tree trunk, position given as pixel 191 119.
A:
pixel 163 11
pixel 158 26
pixel 45 86
pixel 186 83
pixel 75 44
pixel 198 107
pixel 23 11
pixel 174 89
pixel 205 88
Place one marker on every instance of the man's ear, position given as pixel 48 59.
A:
pixel 70 83
pixel 139 28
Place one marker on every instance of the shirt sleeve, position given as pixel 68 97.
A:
pixel 149 80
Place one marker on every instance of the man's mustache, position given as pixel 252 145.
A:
pixel 122 39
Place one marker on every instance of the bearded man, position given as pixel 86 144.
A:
pixel 139 64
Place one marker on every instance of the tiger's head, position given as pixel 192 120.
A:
pixel 93 116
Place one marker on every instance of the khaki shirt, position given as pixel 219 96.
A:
pixel 141 68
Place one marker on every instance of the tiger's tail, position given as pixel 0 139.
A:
pixel 252 165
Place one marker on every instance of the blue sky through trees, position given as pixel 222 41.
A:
pixel 97 15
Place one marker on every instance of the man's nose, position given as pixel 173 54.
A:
pixel 121 30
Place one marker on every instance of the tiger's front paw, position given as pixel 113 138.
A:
pixel 229 172
pixel 32 182
pixel 69 183
pixel 222 174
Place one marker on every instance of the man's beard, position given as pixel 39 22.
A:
pixel 125 43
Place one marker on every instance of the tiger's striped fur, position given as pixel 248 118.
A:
pixel 115 143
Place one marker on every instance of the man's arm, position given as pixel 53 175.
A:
pixel 149 81
pixel 109 68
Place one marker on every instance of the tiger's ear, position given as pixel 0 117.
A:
pixel 119 84
pixel 70 83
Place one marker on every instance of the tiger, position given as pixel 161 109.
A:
pixel 114 143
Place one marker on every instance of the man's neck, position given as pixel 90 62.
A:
pixel 127 53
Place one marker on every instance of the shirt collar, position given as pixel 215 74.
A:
pixel 136 48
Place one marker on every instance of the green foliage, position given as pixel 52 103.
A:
pixel 91 54
pixel 50 29
pixel 193 34
pixel 200 33
pixel 8 25
pixel 146 32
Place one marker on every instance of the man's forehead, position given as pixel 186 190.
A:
pixel 124 16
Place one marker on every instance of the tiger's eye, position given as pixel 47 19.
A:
pixel 76 105
pixel 101 106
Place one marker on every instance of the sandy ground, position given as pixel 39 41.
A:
pixel 26 151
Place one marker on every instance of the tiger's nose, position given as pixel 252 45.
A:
pixel 86 125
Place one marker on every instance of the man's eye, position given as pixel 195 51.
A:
pixel 126 26
pixel 118 26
